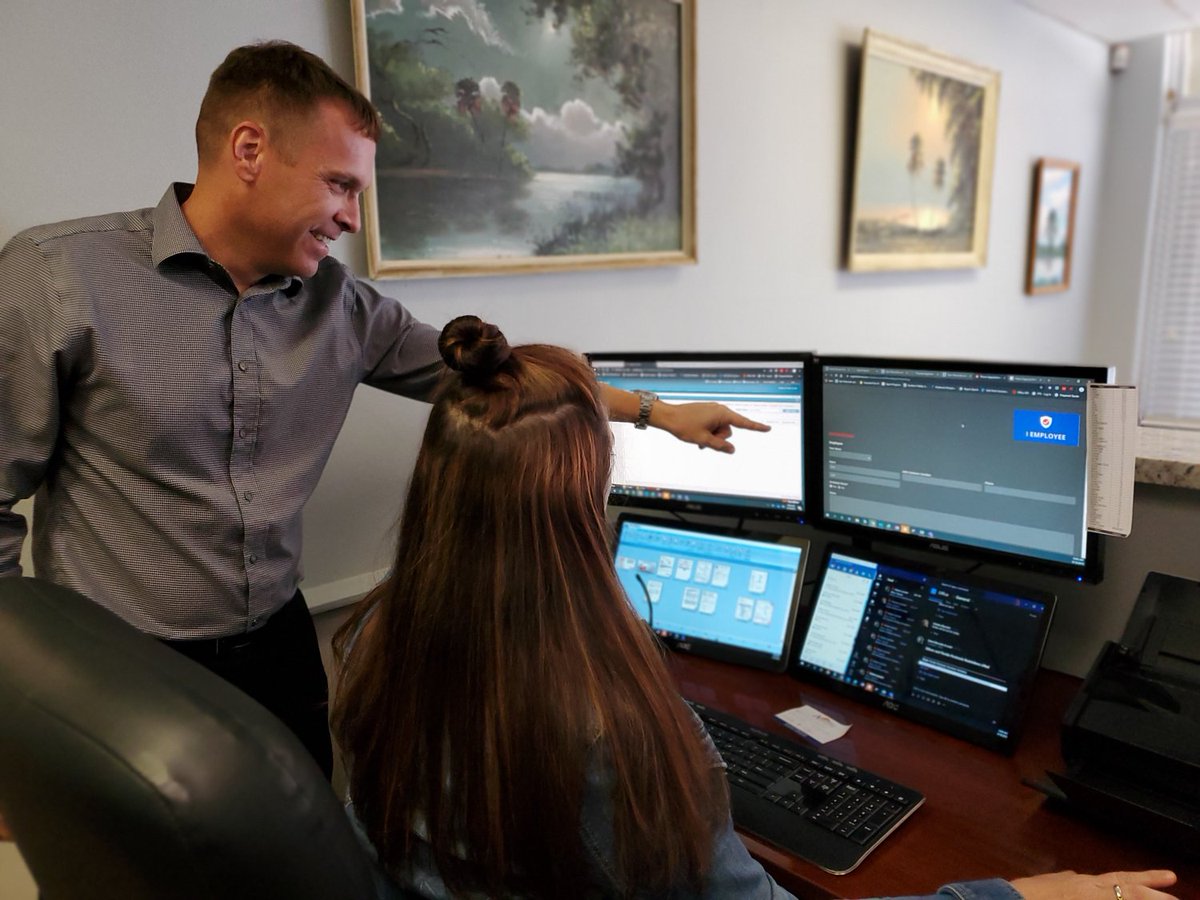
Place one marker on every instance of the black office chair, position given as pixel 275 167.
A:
pixel 129 772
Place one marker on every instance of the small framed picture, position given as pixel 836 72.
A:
pixel 1052 226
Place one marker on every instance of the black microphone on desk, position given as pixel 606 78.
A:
pixel 649 602
pixel 662 647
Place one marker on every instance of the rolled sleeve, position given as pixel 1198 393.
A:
pixel 988 889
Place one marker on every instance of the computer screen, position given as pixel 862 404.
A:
pixel 765 478
pixel 948 649
pixel 978 459
pixel 711 591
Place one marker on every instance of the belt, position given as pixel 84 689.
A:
pixel 238 643
pixel 227 645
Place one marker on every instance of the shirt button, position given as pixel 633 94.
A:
pixel 253 559
pixel 248 496
pixel 242 365
pixel 241 432
pixel 254 622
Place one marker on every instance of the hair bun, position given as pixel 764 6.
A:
pixel 474 347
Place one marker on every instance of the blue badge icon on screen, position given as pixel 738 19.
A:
pixel 1046 427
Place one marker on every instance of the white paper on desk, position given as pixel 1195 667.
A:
pixel 1112 457
pixel 812 723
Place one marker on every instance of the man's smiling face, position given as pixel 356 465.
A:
pixel 309 191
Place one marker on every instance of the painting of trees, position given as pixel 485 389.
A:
pixel 963 103
pixel 529 134
pixel 1052 226
pixel 917 105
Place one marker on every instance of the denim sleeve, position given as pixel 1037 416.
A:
pixel 735 873
pixel 988 889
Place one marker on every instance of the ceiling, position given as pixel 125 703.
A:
pixel 1115 21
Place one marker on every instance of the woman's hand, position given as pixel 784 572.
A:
pixel 1109 886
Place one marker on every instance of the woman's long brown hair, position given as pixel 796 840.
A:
pixel 502 658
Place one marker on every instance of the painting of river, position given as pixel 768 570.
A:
pixel 528 135
pixel 446 217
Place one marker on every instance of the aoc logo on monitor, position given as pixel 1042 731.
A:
pixel 1046 428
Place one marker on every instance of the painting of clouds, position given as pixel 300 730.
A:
pixel 522 135
pixel 923 168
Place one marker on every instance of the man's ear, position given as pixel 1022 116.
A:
pixel 248 142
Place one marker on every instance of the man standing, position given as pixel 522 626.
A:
pixel 172 380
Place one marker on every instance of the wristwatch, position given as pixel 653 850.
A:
pixel 646 400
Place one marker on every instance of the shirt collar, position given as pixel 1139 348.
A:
pixel 173 237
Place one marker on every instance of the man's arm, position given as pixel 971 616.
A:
pixel 703 424
pixel 31 336
pixel 400 354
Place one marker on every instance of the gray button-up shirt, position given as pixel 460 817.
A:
pixel 172 429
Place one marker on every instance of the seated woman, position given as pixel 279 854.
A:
pixel 509 724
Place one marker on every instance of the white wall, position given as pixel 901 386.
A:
pixel 1131 146
pixel 98 103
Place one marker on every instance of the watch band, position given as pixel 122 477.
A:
pixel 646 400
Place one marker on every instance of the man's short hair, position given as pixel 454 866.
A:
pixel 275 81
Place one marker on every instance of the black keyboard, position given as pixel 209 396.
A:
pixel 822 810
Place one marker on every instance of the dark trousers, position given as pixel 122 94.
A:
pixel 279 665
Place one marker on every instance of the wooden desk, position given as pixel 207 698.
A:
pixel 978 819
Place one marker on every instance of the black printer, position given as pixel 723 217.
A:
pixel 1131 737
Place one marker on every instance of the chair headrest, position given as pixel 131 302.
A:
pixel 127 770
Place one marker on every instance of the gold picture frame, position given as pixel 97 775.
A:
pixel 923 159
pixel 527 139
pixel 1052 226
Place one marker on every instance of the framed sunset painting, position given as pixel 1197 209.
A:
pixel 923 159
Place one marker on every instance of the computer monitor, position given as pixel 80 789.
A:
pixel 764 479
pixel 952 650
pixel 730 595
pixel 979 459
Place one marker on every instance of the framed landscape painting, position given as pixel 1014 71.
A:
pixel 923 159
pixel 1052 226
pixel 529 135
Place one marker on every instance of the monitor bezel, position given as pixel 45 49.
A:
pixel 714 649
pixel 715 507
pixel 1092 571
pixel 1019 707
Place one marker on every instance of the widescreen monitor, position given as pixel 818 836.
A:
pixel 979 459
pixel 764 479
